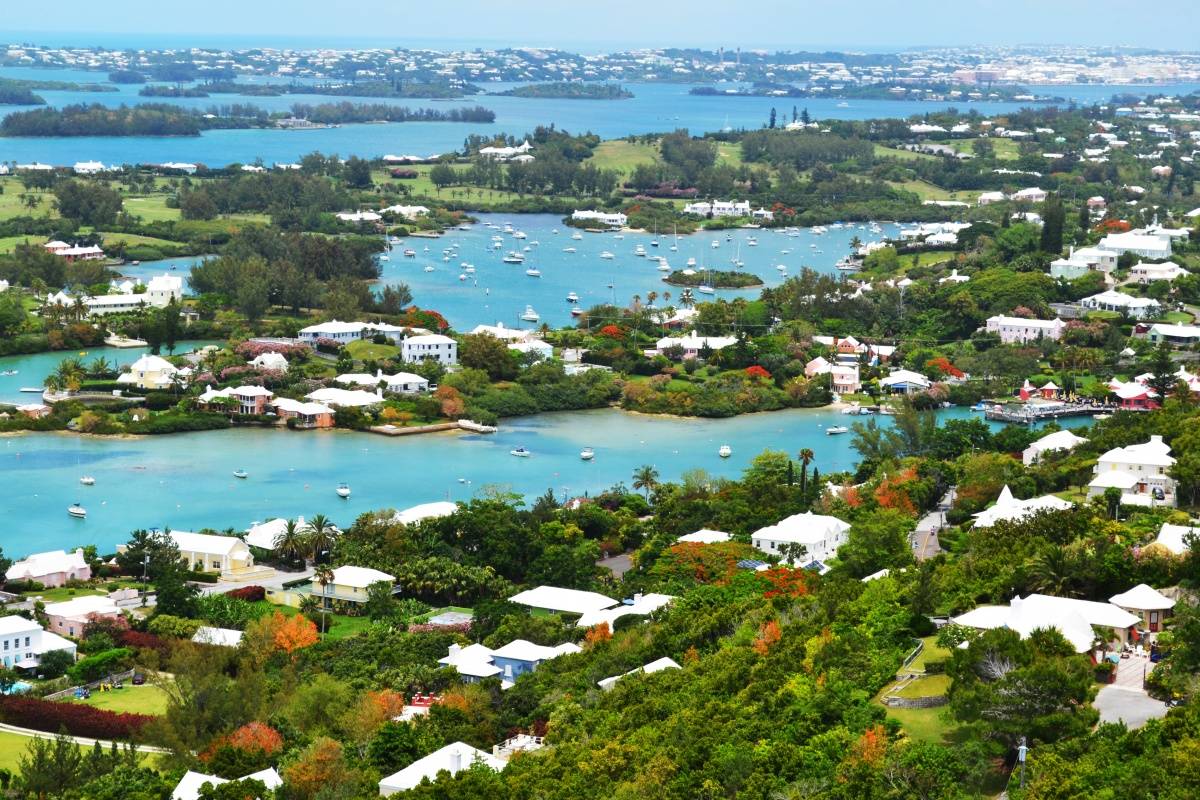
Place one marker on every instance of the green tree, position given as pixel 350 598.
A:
pixel 1054 217
pixel 645 477
pixel 50 767
pixel 486 352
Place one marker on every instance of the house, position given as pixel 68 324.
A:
pixel 451 759
pixel 23 642
pixel 1135 307
pixel 1175 537
pixel 71 617
pixel 349 584
pixel 1143 272
pixel 704 536
pixel 693 344
pixel 473 662
pixel 1074 619
pixel 221 637
pixel 658 665
pixel 159 292
pixel 75 252
pixel 1059 440
pixel 1139 471
pixel 1145 245
pixel 34 410
pixel 719 208
pixel 906 381
pixel 400 383
pixel 1149 604
pixel 642 605
pixel 345 398
pixel 191 783
pixel 430 347
pixel 358 216
pixel 1175 335
pixel 150 372
pixel 1019 329
pixel 1009 509
pixel 844 378
pixel 545 600
pixel 241 399
pixel 821 536
pixel 205 552
pixel 334 330
pixel 519 657
pixel 1030 195
pixel 1134 396
pixel 435 510
pixel 276 362
pixel 499 331
pixel 611 219
pixel 306 415
pixel 542 350
pixel 1081 261
pixel 264 534
pixel 408 212
pixel 51 569
pixel 88 167
pixel 987 198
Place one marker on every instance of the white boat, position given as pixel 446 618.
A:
pixel 31 389
pixel 715 244
pixel 462 276
pixel 343 491
pixel 519 235
pixel 587 454
pixel 576 312
pixel 725 451
pixel 572 297
pixel 410 253
pixel 851 410
pixel 691 262
pixel 639 250
pixel 77 511
pixel 513 258
pixel 836 429
pixel 241 473
pixel 663 266
pixel 429 268
pixel 533 272
pixel 577 236
pixel 519 452
pixel 607 255
pixel 568 249
pixel 752 242
pixel 88 480
pixel 384 258
pixel 469 269
pixel 704 288
pixel 530 315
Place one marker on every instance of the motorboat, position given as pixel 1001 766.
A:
pixel 752 242
pixel 530 315
pixel 520 452
pixel 88 480
pixel 241 473
pixel 576 312
pixel 31 389
pixel 513 258
pixel 343 490
pixel 691 262
pixel 725 451
pixel 587 454
pixel 519 235
pixel 715 244
pixel 429 268
pixel 572 297
pixel 533 272
pixel 77 511
pixel 462 276
pixel 384 258
pixel 410 253
pixel 577 236
pixel 568 249
pixel 639 250
pixel 663 266
pixel 469 269
pixel 834 430
pixel 607 255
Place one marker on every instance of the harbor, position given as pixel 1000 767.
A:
pixel 1032 414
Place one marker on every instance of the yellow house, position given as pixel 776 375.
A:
pixel 150 372
pixel 228 555
pixel 349 585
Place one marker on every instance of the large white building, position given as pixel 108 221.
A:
pixel 1076 620
pixel 613 219
pixel 51 569
pixel 1009 509
pixel 430 347
pixel 334 330
pixel 1145 272
pixel 1018 329
pixel 1082 261
pixel 23 642
pixel 1139 471
pixel 821 536
pixel 1059 440
pixel 1144 245
pixel 719 208
pixel 1134 307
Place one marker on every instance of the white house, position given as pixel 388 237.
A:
pixel 692 343
pixel 1018 329
pixel 400 383
pixel 1074 619
pixel 191 783
pixel 904 380
pixel 221 637
pixel 430 347
pixel 1154 247
pixel 1177 335
pixel 1175 537
pixel 1009 509
pixel 335 330
pixel 451 759
pixel 1030 195
pixel 704 536
pixel 345 398
pixel 556 600
pixel 358 216
pixel 23 642
pixel 210 553
pixel 1059 440
pixel 987 198
pixel 1144 272
pixel 1134 307
pixel 1146 602
pixel 150 372
pixel 719 208
pixel 424 511
pixel 1139 471
pixel 821 536
pixel 51 569
pixel 642 605
pixel 501 332
pixel 88 167
pixel 161 290
pixel 543 350
pixel 263 534
pixel 270 361
pixel 1082 261
pixel 613 219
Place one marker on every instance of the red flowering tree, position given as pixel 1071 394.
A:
pixel 755 371
pixel 612 332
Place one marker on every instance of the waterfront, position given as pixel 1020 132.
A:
pixel 655 107
pixel 185 481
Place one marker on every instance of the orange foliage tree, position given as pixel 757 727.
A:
pixel 319 765
pixel 294 633
pixel 785 582
pixel 256 737
pixel 597 634
pixel 768 635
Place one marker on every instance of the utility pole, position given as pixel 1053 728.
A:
pixel 1022 751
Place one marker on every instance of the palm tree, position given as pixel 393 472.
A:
pixel 321 535
pixel 323 576
pixel 687 299
pixel 645 477
pixel 291 541
pixel 100 366
pixel 309 605
pixel 806 457
pixel 1052 571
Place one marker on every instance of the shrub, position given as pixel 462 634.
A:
pixel 97 666
pixel 143 641
pixel 252 594
pixel 77 719
pixel 174 627
pixel 203 577
pixel 21 587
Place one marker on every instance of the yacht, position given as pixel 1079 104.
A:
pixel 462 276
pixel 587 454
pixel 834 430
pixel 520 452
pixel 77 511
pixel 508 228
pixel 343 491
pixel 519 235
pixel 691 262
pixel 241 473
pixel 533 272
pixel 725 451
pixel 663 266
pixel 607 256
pixel 568 249
pixel 752 242
pixel 469 269
pixel 530 315
pixel 576 312
pixel 572 297
pixel 577 236
pixel 384 258
pixel 715 244
pixel 429 268
pixel 88 480
pixel 704 288
pixel 639 250
pixel 410 253
pixel 513 257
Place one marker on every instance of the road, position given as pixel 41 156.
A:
pixel 924 539
pixel 81 740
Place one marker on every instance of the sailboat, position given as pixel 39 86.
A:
pixel 675 236
pixel 654 241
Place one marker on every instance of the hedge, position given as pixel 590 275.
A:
pixel 203 577
pixel 95 667
pixel 253 594
pixel 78 719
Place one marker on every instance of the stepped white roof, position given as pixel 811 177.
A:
pixel 705 536
pixel 1172 537
pixel 1072 618
pixel 440 508
pixel 807 528
pixel 48 563
pixel 1008 508
pixel 642 605
pixel 453 758
pixel 1142 598
pixel 204 542
pixel 571 601
pixel 359 577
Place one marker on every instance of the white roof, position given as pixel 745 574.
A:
pixel 522 650
pixel 264 534
pixel 1142 598
pixel 344 397
pixel 40 564
pixel 270 360
pixel 205 543
pixel 657 665
pixel 359 577
pixel 298 407
pixel 149 363
pixel 1152 453
pixel 1047 324
pixel 440 508
pixel 82 606
pixel 1073 618
pixel 693 341
pixel 1009 508
pixel 333 326
pixel 1114 479
pixel 225 637
pixel 807 528
pixel 190 784
pixel 452 758
pixel 642 605
pixel 705 536
pixel 1059 440
pixel 501 332
pixel 572 601
pixel 429 338
pixel 13 624
pixel 1172 537
pixel 1176 331
pixel 899 376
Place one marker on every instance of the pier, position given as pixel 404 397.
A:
pixel 1030 414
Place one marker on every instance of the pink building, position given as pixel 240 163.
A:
pixel 51 569
pixel 72 617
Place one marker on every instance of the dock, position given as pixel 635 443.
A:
pixel 460 425
pixel 1028 415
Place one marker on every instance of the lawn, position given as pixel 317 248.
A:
pixel 9 243
pixel 152 208
pixel 364 350
pixel 337 626
pixel 145 699
pixel 928 686
pixel 12 747
pixel 1178 317
pixel 133 239
pixel 927 191
pixel 903 155
pixel 931 652
pixel 925 724
pixel 1005 149
pixel 729 153
pixel 623 156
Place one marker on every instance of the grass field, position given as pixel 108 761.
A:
pixel 1005 149
pixel 902 155
pixel 623 156
pixel 927 191
pixel 931 652
pixel 146 699
pixel 363 350
pixel 928 686
pixel 9 243
pixel 135 239
pixel 925 724
pixel 337 626
pixel 152 208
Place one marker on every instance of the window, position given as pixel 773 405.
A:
pixel 6 644
pixel 27 641
pixel 216 564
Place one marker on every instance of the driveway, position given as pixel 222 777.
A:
pixel 1132 706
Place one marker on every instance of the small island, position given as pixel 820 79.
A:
pixel 565 90
pixel 718 279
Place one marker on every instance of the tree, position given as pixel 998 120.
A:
pixel 397 744
pixel 295 633
pixel 1054 217
pixel 645 477
pixel 442 175
pixel 1162 369
pixel 486 352
pixel 357 173
pixel 379 605
pixel 321 537
pixel 320 766
pixel 877 540
pixel 806 457
pixel 49 767
pixel 88 203
pixel 291 542
pixel 173 595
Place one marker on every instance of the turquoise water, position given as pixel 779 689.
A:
pixel 185 481
pixel 654 108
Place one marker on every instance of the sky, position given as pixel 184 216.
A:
pixel 874 25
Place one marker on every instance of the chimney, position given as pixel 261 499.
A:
pixel 455 761
pixel 379 393
pixel 378 374
pixel 454 649
pixel 1156 439
pixel 637 597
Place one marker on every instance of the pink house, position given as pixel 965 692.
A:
pixel 51 569
pixel 72 617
